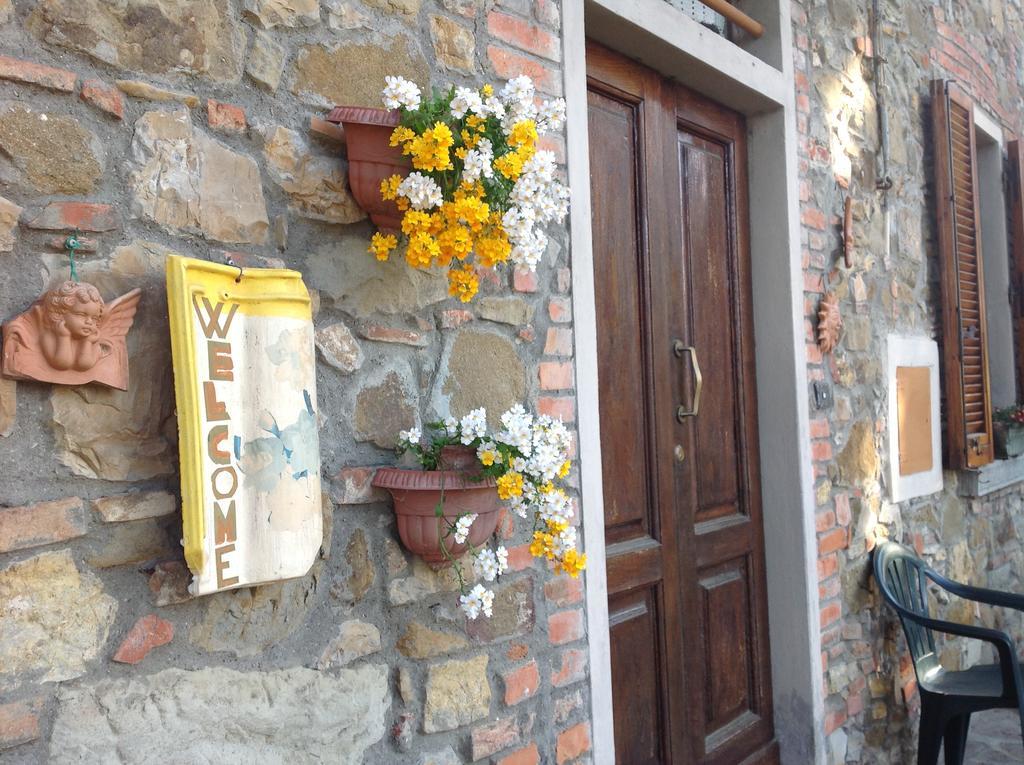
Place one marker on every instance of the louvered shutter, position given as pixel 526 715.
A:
pixel 1015 204
pixel 968 410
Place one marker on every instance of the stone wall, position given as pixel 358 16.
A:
pixel 891 287
pixel 195 128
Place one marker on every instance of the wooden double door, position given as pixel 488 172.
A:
pixel 685 551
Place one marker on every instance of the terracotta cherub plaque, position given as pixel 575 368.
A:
pixel 71 337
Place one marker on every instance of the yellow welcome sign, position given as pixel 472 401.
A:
pixel 245 383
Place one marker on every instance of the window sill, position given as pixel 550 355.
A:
pixel 991 477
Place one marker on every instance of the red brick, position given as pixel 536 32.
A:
pixel 821 451
pixel 527 334
pixel 508 64
pixel 836 539
pixel 820 428
pixel 830 588
pixel 147 633
pixel 493 737
pixel 827 566
pixel 524 35
pixel 517 652
pixel 104 97
pixel 813 218
pixel 558 342
pixel 328 130
pixel 830 614
pixel 573 669
pixel 19 723
pixel 226 118
pixel 524 280
pixel 455 317
pixel 381 334
pixel 37 74
pixel 555 375
pixel 519 558
pixel 572 743
pixel 560 310
pixel 564 590
pixel 353 486
pixel 526 756
pixel 563 280
pixel 563 407
pixel 521 683
pixel 67 216
pixel 824 520
pixel 565 626
pixel 41 524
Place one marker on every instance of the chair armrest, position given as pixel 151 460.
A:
pixel 978 594
pixel 1008 665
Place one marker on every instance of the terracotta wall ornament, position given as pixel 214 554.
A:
pixel 830 323
pixel 69 336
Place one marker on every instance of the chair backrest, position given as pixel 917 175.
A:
pixel 901 577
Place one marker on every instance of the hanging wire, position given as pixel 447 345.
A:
pixel 71 244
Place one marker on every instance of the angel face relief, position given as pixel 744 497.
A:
pixel 71 337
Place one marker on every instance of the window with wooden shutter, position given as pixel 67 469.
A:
pixel 968 410
pixel 1015 205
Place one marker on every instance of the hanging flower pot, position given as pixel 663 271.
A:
pixel 417 493
pixel 371 159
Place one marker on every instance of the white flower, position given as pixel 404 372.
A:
pixel 462 526
pixel 493 108
pixel 518 90
pixel 489 564
pixel 478 162
pixel 466 100
pixel 551 115
pixel 421 190
pixel 400 92
pixel 411 436
pixel 451 426
pixel 479 599
pixel 474 425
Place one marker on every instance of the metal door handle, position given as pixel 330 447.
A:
pixel 679 349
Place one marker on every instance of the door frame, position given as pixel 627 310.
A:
pixel 760 85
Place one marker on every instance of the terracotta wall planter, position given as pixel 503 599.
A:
pixel 416 494
pixel 371 159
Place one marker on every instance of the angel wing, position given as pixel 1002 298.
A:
pixel 119 315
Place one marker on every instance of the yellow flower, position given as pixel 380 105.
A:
pixel 473 122
pixel 462 283
pixel 381 245
pixel 539 546
pixel 389 187
pixel 461 152
pixel 455 242
pixel 415 221
pixel 401 135
pixel 487 457
pixel 556 527
pixel 494 249
pixel 510 165
pixel 564 470
pixel 430 150
pixel 523 133
pixel 487 91
pixel 572 563
pixel 422 250
pixel 510 485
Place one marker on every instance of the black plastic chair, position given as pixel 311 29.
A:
pixel 948 698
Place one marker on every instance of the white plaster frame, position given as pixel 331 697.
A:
pixel 913 352
pixel 658 35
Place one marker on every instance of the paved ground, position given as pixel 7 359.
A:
pixel 994 739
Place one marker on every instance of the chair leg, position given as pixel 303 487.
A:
pixel 929 737
pixel 955 739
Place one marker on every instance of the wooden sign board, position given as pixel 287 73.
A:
pixel 914 416
pixel 915 460
pixel 245 384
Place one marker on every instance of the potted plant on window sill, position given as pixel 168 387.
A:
pixel 1008 429
pixel 452 504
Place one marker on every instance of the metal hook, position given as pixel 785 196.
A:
pixel 241 271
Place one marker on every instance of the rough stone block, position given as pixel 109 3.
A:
pixel 353 486
pixel 135 506
pixel 147 92
pixel 458 693
pixel 19 723
pixel 50 153
pixel 420 642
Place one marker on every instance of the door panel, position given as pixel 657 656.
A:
pixel 685 560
